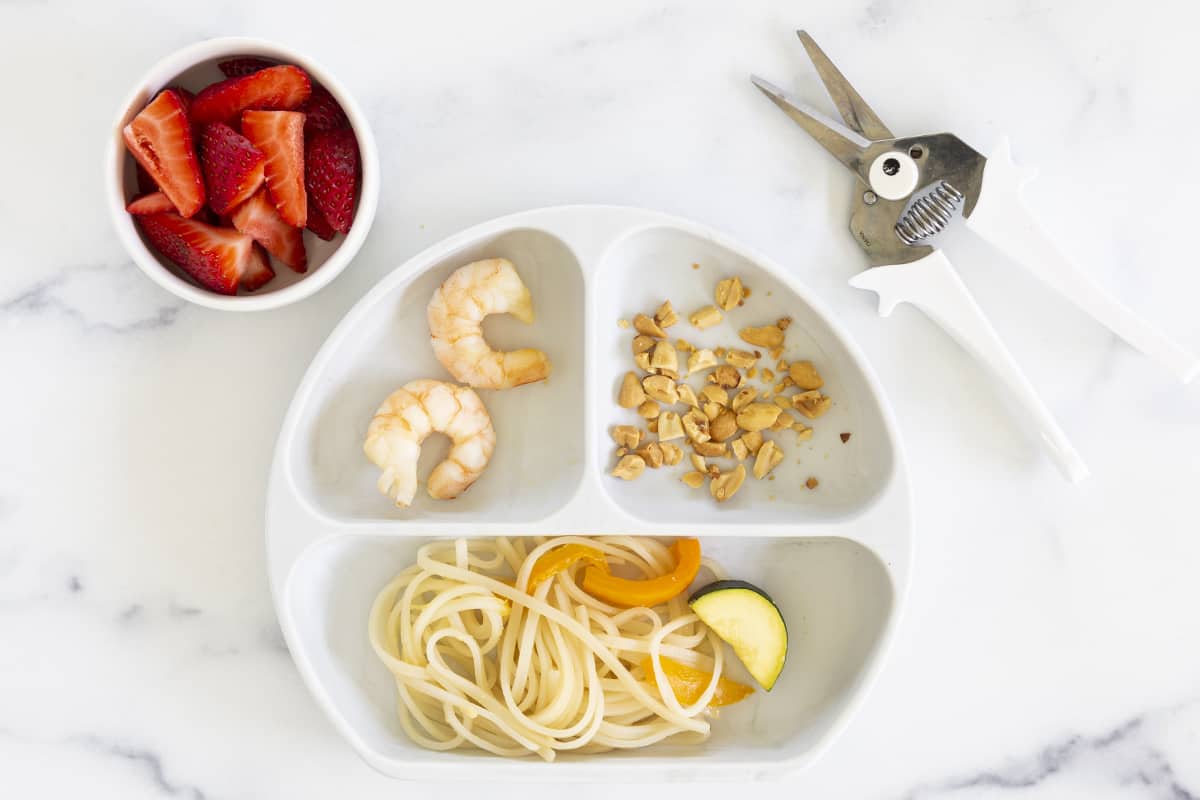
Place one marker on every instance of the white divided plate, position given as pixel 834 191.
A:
pixel 836 559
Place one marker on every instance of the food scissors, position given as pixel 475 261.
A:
pixel 910 190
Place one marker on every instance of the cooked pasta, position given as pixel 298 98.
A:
pixel 479 662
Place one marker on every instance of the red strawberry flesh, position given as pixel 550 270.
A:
pixel 258 270
pixel 331 175
pixel 160 138
pixel 258 217
pixel 233 167
pixel 214 257
pixel 274 88
pixel 280 135
pixel 153 203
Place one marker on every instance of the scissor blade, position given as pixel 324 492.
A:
pixel 854 110
pixel 845 145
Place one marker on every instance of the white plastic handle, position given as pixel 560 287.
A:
pixel 933 286
pixel 1002 219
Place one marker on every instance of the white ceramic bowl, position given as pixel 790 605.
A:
pixel 836 560
pixel 193 68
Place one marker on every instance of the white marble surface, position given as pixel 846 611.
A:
pixel 1050 647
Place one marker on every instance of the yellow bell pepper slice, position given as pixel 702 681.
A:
pixel 561 558
pixel 651 592
pixel 688 683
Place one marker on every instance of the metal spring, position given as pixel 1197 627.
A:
pixel 929 214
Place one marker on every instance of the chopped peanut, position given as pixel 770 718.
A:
pixel 743 398
pixel 670 426
pixel 664 357
pixel 726 486
pixel 758 416
pixel 709 449
pixel 805 375
pixel 811 404
pixel 643 361
pixel 724 426
pixel 688 395
pixel 631 394
pixel 725 376
pixel 649 409
pixel 647 326
pixel 742 359
pixel 753 441
pixel 695 425
pixel 768 336
pixel 811 483
pixel 693 479
pixel 705 317
pixel 643 343
pixel 701 359
pixel 629 467
pixel 698 462
pixel 666 316
pixel 729 293
pixel 626 435
pixel 715 394
pixel 740 451
pixel 661 388
pixel 652 454
pixel 769 456
pixel 672 454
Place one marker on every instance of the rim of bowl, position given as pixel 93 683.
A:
pixel 161 74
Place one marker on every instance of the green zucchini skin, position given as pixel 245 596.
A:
pixel 720 586
pixel 740 587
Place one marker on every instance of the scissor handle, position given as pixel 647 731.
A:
pixel 1002 219
pixel 933 286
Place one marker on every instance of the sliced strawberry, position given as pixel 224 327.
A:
pixel 215 257
pixel 258 269
pixel 317 222
pixel 153 203
pixel 241 67
pixel 160 138
pixel 331 175
pixel 283 87
pixel 257 217
pixel 280 134
pixel 233 167
pixel 322 113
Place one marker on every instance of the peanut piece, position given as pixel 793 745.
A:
pixel 666 316
pixel 769 456
pixel 784 422
pixel 649 409
pixel 698 462
pixel 652 425
pixel 740 451
pixel 661 388
pixel 693 479
pixel 753 441
pixel 629 467
pixel 626 435
pixel 805 375
pixel 728 293
pixel 812 483
pixel 743 398
pixel 642 343
pixel 711 410
pixel 726 486
pixel 811 404
pixel 725 376
pixel 688 395
pixel 672 454
pixel 664 358
pixel 652 454
pixel 742 359
pixel 783 323
pixel 758 416
pixel 803 432
pixel 669 426
pixel 701 359
pixel 768 375
pixel 715 394
pixel 631 394
pixel 643 361
pixel 647 326
pixel 768 336
pixel 709 449
pixel 684 345
pixel 695 425
pixel 705 317
pixel 724 426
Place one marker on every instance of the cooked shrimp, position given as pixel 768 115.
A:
pixel 456 315
pixel 410 414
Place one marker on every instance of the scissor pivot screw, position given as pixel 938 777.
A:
pixel 891 166
pixel 869 197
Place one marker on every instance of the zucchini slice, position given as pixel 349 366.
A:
pixel 745 616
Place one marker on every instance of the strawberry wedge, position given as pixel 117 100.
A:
pixel 317 222
pixel 331 175
pixel 214 257
pixel 258 218
pixel 322 113
pixel 233 167
pixel 160 138
pixel 275 88
pixel 153 203
pixel 258 270
pixel 280 135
